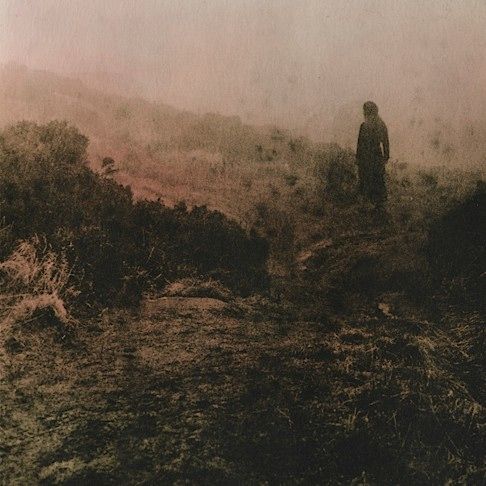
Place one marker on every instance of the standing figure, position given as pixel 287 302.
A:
pixel 372 153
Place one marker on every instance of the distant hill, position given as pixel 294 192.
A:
pixel 127 128
pixel 136 132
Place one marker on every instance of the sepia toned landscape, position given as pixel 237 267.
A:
pixel 193 288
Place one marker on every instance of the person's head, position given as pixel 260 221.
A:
pixel 370 110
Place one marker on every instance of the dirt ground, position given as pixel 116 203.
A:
pixel 170 394
pixel 201 391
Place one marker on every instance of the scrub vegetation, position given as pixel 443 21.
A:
pixel 217 305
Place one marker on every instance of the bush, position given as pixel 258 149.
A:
pixel 335 168
pixel 199 242
pixel 456 247
pixel 47 189
pixel 277 225
pixel 115 247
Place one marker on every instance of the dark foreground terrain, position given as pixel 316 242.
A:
pixel 193 390
pixel 347 370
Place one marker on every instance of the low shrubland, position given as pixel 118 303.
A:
pixel 114 247
pixel 361 358
pixel 306 194
pixel 118 246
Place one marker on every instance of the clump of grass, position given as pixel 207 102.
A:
pixel 409 401
pixel 34 278
pixel 195 287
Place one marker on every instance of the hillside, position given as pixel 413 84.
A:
pixel 295 336
pixel 133 131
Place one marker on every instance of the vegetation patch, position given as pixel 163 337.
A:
pixel 313 341
pixel 115 248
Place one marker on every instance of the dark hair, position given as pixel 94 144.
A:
pixel 370 108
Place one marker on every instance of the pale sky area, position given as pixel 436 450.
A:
pixel 296 63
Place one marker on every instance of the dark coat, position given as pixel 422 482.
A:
pixel 373 141
pixel 371 154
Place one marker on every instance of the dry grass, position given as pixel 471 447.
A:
pixel 340 375
pixel 189 391
pixel 194 287
pixel 289 390
pixel 34 279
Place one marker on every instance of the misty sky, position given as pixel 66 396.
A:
pixel 277 61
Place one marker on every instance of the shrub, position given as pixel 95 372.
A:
pixel 115 247
pixel 47 189
pixel 335 168
pixel 199 242
pixel 456 247
pixel 277 225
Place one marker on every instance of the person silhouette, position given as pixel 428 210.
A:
pixel 372 153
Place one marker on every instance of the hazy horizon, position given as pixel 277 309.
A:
pixel 307 66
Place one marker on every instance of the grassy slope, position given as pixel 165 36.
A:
pixel 341 373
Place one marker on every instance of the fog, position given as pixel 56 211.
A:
pixel 307 65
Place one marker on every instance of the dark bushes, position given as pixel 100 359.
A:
pixel 179 243
pixel 116 247
pixel 336 170
pixel 456 248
